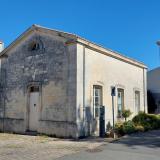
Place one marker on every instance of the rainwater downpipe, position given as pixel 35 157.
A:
pixel 84 109
pixel 144 91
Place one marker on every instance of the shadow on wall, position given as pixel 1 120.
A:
pixel 152 106
pixel 91 123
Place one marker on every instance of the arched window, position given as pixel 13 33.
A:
pixel 34 46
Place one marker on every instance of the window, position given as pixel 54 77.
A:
pixel 34 89
pixel 120 102
pixel 137 101
pixel 97 100
pixel 34 46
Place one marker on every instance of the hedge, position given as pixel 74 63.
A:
pixel 140 123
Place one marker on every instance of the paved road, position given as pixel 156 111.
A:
pixel 144 146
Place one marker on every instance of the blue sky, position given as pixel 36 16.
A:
pixel 130 27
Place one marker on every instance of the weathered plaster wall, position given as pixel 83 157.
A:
pixel 99 69
pixel 53 67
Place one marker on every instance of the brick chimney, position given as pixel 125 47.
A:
pixel 1 46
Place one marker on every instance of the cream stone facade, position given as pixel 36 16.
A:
pixel 56 83
pixel 106 71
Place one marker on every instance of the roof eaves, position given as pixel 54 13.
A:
pixel 57 31
pixel 79 40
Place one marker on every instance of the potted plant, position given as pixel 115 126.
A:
pixel 126 113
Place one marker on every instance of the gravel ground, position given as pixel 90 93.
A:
pixel 23 147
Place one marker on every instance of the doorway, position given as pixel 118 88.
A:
pixel 34 99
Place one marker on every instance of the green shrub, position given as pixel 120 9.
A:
pixel 139 128
pixel 128 127
pixel 154 121
pixel 124 128
pixel 126 113
pixel 140 123
pixel 148 121
pixel 119 128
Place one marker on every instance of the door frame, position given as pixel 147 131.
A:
pixel 33 84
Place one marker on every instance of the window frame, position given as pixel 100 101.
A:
pixel 137 108
pixel 120 90
pixel 100 88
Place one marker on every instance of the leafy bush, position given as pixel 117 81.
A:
pixel 119 128
pixel 158 116
pixel 148 121
pixel 154 120
pixel 139 128
pixel 128 127
pixel 124 128
pixel 126 113
pixel 140 123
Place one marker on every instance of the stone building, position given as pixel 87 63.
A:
pixel 56 83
